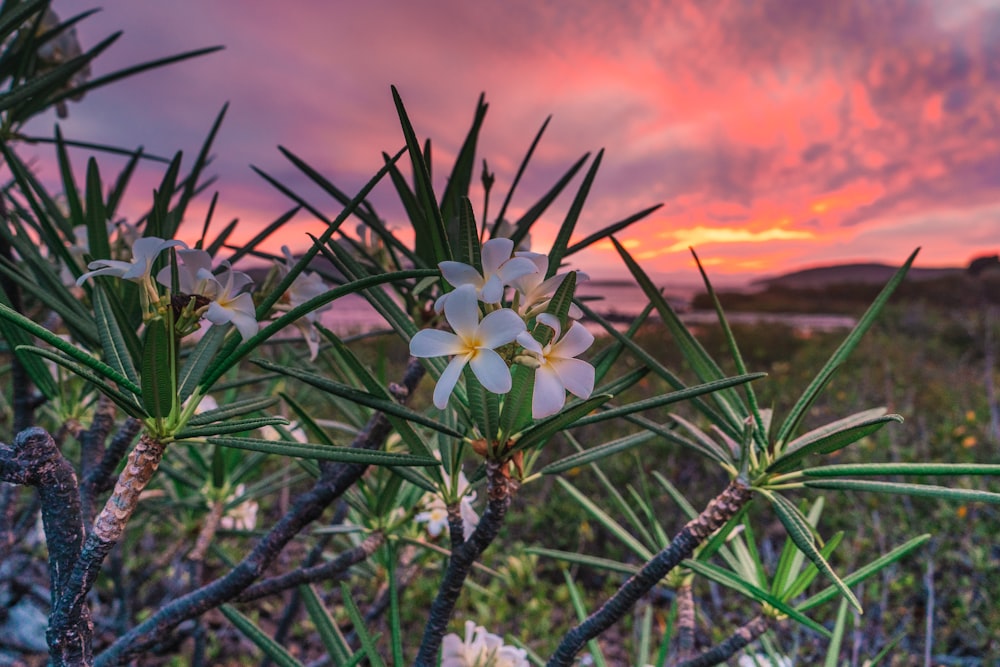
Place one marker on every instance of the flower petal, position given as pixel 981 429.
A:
pixel 446 383
pixel 462 312
pixel 499 328
pixel 458 274
pixel 491 370
pixel 435 343
pixel 576 375
pixel 494 253
pixel 552 322
pixel 515 268
pixel 576 341
pixel 549 394
pixel 528 342
pixel 492 290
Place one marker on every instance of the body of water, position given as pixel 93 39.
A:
pixel 619 301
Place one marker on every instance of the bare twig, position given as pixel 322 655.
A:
pixel 743 636
pixel 334 480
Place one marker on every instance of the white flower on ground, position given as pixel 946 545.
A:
pixel 762 660
pixel 306 286
pixel 473 342
pixel 536 290
pixel 480 649
pixel 228 303
pixel 558 371
pixel 436 515
pixel 144 253
pixel 242 516
pixel 499 270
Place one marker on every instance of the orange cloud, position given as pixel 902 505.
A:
pixel 699 236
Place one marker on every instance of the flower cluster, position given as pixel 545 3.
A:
pixel 436 514
pixel 480 649
pixel 480 324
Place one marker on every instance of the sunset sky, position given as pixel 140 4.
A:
pixel 778 134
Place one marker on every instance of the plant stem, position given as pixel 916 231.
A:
pixel 743 636
pixel 35 460
pixel 500 489
pixel 334 480
pixel 722 508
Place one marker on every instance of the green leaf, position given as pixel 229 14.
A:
pixel 364 398
pixel 333 640
pixel 124 401
pixel 559 246
pixel 271 648
pixel 832 437
pixel 405 430
pixel 900 488
pixel 100 368
pixel 460 179
pixel 198 361
pixel 701 362
pixel 232 353
pixel 842 352
pixel 517 178
pixel 541 432
pixel 922 469
pixel 866 571
pixel 609 230
pixel 607 521
pixel 516 411
pixel 431 236
pixel 36 369
pixel 484 406
pixel 666 399
pixel 96 216
pixel 597 453
pixel 749 590
pixel 466 248
pixel 112 339
pixel 367 641
pixel 312 451
pixel 576 599
pixel 233 409
pixel 801 533
pixel 224 428
pixel 585 560
pixel 158 392
pixel 522 226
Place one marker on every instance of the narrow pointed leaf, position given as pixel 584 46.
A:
pixel 367 641
pixel 198 361
pixel 904 489
pixel 115 348
pixel 540 433
pixel 667 399
pixel 829 439
pixel 572 217
pixel 233 409
pixel 522 226
pixel 158 394
pixel 322 452
pixel 597 453
pixel 747 589
pixel 364 398
pixel 842 352
pixel 229 427
pixel 271 648
pixel 609 230
pixel 921 469
pixel 333 641
pixel 866 571
pixel 801 533
pixel 606 520
pixel 72 351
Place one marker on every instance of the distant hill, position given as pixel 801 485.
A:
pixel 856 274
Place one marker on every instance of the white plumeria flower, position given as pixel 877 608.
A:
pixel 436 516
pixel 473 343
pixel 558 371
pixel 224 292
pixel 144 253
pixel 244 515
pixel 535 289
pixel 229 305
pixel 499 270
pixel 306 286
pixel 480 649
